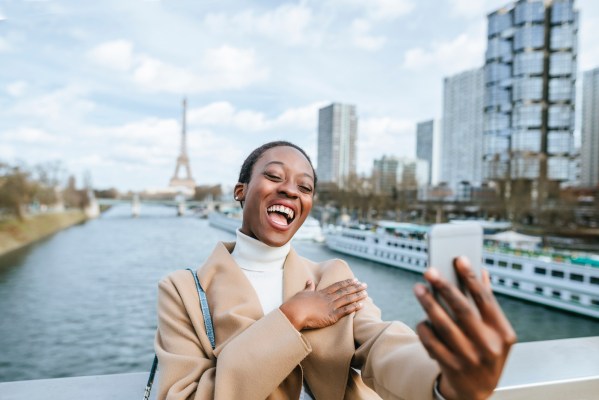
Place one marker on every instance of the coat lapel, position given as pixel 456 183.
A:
pixel 234 304
pixel 326 368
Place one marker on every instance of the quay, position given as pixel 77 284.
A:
pixel 548 370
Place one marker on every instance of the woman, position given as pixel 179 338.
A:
pixel 290 328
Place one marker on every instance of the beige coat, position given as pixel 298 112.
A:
pixel 261 356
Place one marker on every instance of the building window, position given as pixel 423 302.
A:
pixel 528 63
pixel 557 274
pixel 540 271
pixel 594 280
pixel 577 277
pixel 517 267
pixel 561 64
pixel 530 37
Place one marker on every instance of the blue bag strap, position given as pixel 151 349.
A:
pixel 207 325
pixel 205 309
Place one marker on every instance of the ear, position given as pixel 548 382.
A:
pixel 239 191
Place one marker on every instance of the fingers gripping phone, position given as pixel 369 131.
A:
pixel 448 241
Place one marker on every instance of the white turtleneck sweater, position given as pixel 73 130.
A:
pixel 263 266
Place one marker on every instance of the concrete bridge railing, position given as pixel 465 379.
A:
pixel 547 370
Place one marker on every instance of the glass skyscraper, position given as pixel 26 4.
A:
pixel 530 74
pixel 590 129
pixel 424 144
pixel 461 143
pixel 337 135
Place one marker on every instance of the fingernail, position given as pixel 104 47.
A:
pixel 365 293
pixel 419 290
pixel 355 280
pixel 433 272
pixel 364 284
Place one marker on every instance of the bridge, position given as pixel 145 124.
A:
pixel 179 203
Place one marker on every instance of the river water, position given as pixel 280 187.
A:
pixel 82 302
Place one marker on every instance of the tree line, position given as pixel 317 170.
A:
pixel 25 188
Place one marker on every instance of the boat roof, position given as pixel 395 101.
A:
pixel 404 226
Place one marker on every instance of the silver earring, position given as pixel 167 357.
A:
pixel 236 198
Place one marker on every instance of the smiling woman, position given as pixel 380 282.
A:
pixel 289 328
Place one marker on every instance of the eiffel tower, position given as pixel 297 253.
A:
pixel 183 161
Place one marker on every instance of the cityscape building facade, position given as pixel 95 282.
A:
pixel 461 149
pixel 530 74
pixel 589 151
pixel 337 135
pixel 425 144
pixel 391 174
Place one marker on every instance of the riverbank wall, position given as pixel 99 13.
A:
pixel 15 234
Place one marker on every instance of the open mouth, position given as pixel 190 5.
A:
pixel 280 214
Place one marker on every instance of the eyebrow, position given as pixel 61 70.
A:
pixel 283 164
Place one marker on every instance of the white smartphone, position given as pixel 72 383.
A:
pixel 448 241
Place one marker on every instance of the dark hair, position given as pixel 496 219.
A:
pixel 248 165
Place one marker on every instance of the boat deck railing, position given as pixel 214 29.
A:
pixel 548 370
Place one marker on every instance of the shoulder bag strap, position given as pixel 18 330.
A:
pixel 205 309
pixel 207 325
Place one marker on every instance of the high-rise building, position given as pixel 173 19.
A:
pixel 530 74
pixel 384 175
pixel 425 144
pixel 461 143
pixel 390 173
pixel 337 135
pixel 589 163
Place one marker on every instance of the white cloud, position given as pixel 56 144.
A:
pixel 379 9
pixel 224 114
pixel 474 9
pixel 362 38
pixel 62 106
pixel 220 68
pixel 288 24
pixel 4 45
pixel 16 89
pixel 33 136
pixel 464 52
pixel 117 54
pixel 384 135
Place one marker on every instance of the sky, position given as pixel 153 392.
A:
pixel 99 85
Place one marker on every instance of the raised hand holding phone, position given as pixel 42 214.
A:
pixel 472 340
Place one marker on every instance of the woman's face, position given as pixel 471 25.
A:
pixel 278 197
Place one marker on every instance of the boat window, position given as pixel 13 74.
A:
pixel 540 271
pixel 575 298
pixel 517 267
pixel 502 263
pixel 594 280
pixel 577 277
pixel 557 274
pixel 539 290
pixel 595 302
pixel 489 261
pixel 516 284
pixel 501 281
pixel 556 293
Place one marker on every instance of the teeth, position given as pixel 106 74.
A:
pixel 283 209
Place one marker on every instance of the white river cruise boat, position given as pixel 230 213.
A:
pixel 555 279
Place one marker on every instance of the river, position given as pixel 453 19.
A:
pixel 82 302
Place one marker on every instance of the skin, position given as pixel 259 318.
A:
pixel 470 350
pixel 282 175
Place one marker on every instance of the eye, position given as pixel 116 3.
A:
pixel 272 177
pixel 305 189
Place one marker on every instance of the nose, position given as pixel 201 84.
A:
pixel 289 188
